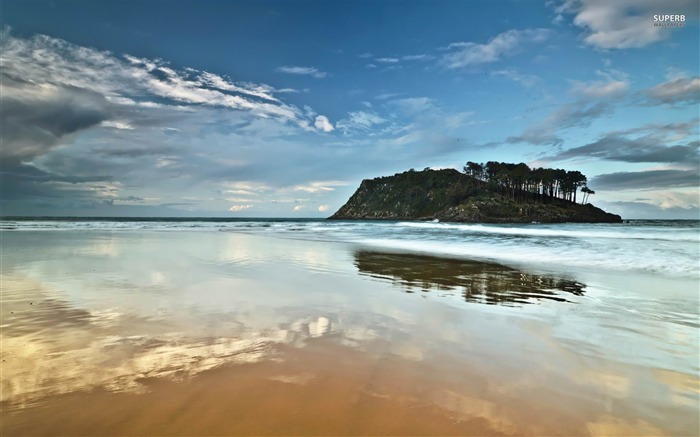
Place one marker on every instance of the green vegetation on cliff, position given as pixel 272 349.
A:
pixel 507 195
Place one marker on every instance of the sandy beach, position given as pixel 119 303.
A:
pixel 210 333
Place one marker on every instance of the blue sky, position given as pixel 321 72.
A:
pixel 281 108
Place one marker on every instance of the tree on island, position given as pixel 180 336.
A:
pixel 586 194
pixel 519 181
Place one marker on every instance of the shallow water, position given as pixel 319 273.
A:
pixel 126 329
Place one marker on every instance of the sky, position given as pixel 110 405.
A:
pixel 281 108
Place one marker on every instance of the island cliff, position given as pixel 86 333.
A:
pixel 448 195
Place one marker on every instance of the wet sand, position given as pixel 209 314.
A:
pixel 322 389
pixel 211 334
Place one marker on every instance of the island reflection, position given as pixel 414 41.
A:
pixel 480 282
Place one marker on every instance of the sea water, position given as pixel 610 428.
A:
pixel 667 248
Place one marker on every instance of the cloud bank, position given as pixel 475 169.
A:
pixel 80 127
pixel 129 81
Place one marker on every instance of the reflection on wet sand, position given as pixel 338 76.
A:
pixel 476 281
pixel 247 339
pixel 49 348
pixel 321 389
pixel 68 371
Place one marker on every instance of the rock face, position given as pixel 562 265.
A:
pixel 451 196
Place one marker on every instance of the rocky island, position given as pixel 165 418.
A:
pixel 485 193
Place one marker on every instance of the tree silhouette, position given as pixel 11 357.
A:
pixel 518 181
pixel 586 194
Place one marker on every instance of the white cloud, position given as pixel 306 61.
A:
pixel 360 120
pixel 246 188
pixel 237 208
pixel 188 91
pixel 241 200
pixel 131 81
pixel 681 90
pixel 290 90
pixel 43 59
pixel 164 161
pixel 219 82
pixel 671 199
pixel 614 82
pixel 287 199
pixel 323 208
pixel 456 120
pixel 622 24
pixel 298 208
pixel 525 80
pixel 385 96
pixel 601 89
pixel 182 87
pixel 673 73
pixel 414 105
pixel 148 64
pixel 417 58
pixel 465 54
pixel 577 114
pixel 365 55
pixel 387 60
pixel 595 99
pixel 408 138
pixel 117 125
pixel 323 124
pixel 309 112
pixel 303 71
pixel 319 186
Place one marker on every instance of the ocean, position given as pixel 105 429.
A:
pixel 533 329
pixel 658 247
